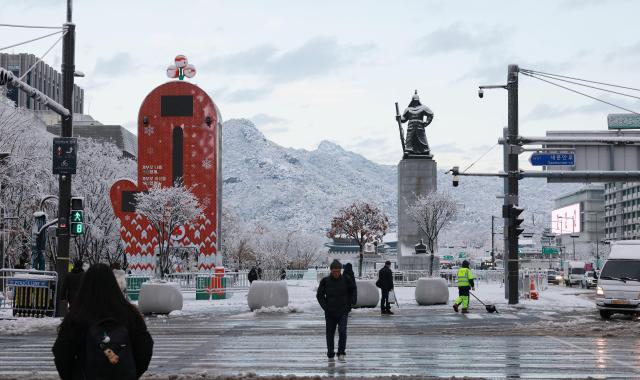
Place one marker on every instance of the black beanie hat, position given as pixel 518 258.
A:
pixel 335 264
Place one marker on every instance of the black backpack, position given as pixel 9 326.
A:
pixel 108 352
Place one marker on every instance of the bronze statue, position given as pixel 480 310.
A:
pixel 416 142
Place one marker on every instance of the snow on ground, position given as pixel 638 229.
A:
pixel 21 326
pixel 302 299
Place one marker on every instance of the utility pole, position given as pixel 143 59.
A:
pixel 64 181
pixel 511 151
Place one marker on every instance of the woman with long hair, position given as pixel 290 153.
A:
pixel 103 336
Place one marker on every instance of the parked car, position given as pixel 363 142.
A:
pixel 553 277
pixel 589 280
pixel 618 289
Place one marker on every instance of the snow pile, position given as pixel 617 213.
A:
pixel 22 326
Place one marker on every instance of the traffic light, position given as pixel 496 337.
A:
pixel 516 219
pixel 76 219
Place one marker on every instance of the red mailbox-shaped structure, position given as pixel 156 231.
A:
pixel 178 140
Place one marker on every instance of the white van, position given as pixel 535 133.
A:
pixel 618 288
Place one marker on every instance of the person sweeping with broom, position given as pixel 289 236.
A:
pixel 465 285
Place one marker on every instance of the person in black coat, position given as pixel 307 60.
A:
pixel 99 298
pixel 71 283
pixel 253 275
pixel 348 272
pixel 385 283
pixel 336 293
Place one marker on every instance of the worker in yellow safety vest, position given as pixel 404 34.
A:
pixel 465 284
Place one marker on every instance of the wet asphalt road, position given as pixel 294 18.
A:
pixel 512 344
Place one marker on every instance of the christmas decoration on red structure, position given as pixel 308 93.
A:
pixel 177 142
pixel 181 68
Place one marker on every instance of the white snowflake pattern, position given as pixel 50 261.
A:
pixel 148 130
pixel 206 202
pixel 207 164
pixel 127 218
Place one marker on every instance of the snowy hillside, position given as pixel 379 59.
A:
pixel 301 190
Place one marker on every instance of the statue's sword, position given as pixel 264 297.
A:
pixel 400 127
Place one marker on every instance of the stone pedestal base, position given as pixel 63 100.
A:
pixel 419 262
pixel 415 177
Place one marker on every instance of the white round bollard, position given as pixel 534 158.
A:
pixel 267 294
pixel 432 291
pixel 368 295
pixel 159 297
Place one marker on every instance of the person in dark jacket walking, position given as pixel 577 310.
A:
pixel 253 275
pixel 336 293
pixel 385 283
pixel 100 299
pixel 71 283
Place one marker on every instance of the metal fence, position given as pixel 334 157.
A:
pixel 409 278
pixel 28 293
pixel 233 280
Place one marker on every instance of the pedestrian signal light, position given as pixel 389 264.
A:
pixel 76 218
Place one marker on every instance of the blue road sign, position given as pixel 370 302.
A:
pixel 548 159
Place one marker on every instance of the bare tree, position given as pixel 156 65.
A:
pixel 361 222
pixel 236 241
pixel 304 251
pixel 167 208
pixel 432 212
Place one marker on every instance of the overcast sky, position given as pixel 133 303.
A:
pixel 307 71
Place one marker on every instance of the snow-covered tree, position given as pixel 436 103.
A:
pixel 238 250
pixel 362 222
pixel 102 164
pixel 167 208
pixel 304 250
pixel 25 176
pixel 432 212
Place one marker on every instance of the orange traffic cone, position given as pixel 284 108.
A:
pixel 533 293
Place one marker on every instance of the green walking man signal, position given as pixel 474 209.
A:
pixel 76 218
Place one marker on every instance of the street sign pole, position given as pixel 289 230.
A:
pixel 64 180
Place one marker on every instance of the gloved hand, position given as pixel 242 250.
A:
pixel 474 288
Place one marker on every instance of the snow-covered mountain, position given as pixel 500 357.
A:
pixel 300 190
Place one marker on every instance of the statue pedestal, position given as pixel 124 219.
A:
pixel 416 176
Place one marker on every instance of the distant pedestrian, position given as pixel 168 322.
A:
pixel 283 274
pixel 385 283
pixel 348 272
pixel 103 336
pixel 253 275
pixel 336 293
pixel 71 283
pixel 465 285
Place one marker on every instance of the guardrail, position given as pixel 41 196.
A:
pixel 409 278
pixel 29 293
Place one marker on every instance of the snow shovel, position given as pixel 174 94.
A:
pixel 491 308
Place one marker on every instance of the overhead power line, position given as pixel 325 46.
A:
pixel 589 86
pixel 42 56
pixel 30 26
pixel 529 74
pixel 579 79
pixel 480 158
pixel 31 40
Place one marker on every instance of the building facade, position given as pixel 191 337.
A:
pixel 88 127
pixel 622 210
pixel 580 234
pixel 43 77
